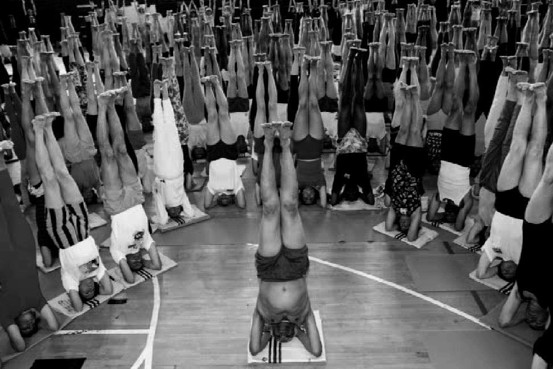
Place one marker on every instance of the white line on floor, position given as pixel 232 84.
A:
pixel 403 289
pixel 74 332
pixel 147 354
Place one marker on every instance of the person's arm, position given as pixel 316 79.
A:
pixel 391 220
pixel 464 212
pixel 126 271
pixel 416 219
pixel 258 338
pixel 432 215
pixel 209 199
pixel 322 197
pixel 155 262
pixel 508 315
pixel 241 199
pixel 49 318
pixel 76 301
pixel 310 339
pixel 106 288
pixel 484 270
pixel 16 340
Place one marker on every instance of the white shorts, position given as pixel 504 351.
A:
pixel 453 182
pixel 125 229
pixel 224 177
pixel 505 241
pixel 75 258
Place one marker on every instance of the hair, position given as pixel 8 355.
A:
pixel 450 212
pixel 172 209
pixel 284 331
pixel 34 324
pixel 198 153
pixel 308 195
pixel 404 222
pixel 96 292
pixel 224 200
pixel 507 270
pixel 135 261
pixel 351 192
pixel 536 315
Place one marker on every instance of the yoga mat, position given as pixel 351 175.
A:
pixel 494 283
pixel 59 363
pixel 40 264
pixel 62 304
pixel 95 221
pixel 520 332
pixel 142 275
pixel 289 352
pixel 425 235
pixel 443 273
pixel 353 206
pixel 475 350
pixel 469 222
pixel 199 216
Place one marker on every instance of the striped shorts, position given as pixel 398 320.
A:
pixel 67 226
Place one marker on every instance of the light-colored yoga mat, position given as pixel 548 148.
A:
pixel 289 352
pixel 494 283
pixel 469 222
pixel 425 235
pixel 475 350
pixel 443 273
pixel 520 332
pixel 142 275
pixel 353 206
pixel 199 216
pixel 40 263
pixel 96 221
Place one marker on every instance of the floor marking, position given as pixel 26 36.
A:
pixel 76 332
pixel 147 354
pixel 403 289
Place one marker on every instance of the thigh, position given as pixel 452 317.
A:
pixel 270 241
pixel 292 232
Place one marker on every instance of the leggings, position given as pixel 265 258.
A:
pixel 140 75
pixel 123 118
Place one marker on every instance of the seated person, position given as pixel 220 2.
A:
pixel 534 272
pixel 170 198
pixel 23 305
pixel 225 185
pixel 67 220
pixel 458 144
pixel 308 137
pixel 352 180
pixel 283 309
pixel 404 183
pixel 517 181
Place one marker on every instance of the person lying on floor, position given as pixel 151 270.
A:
pixel 308 137
pixel 82 273
pixel 352 180
pixel 283 310
pixel 458 144
pixel 130 232
pixel 517 181
pixel 404 183
pixel 225 186
pixel 171 201
pixel 24 308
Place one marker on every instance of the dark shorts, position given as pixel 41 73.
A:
pixel 92 122
pixel 511 203
pixel 188 165
pixel 310 174
pixel 222 150
pixel 287 265
pixel 457 148
pixel 433 148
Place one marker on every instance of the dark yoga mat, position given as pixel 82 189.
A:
pixel 475 350
pixel 76 363
pixel 520 332
pixel 444 273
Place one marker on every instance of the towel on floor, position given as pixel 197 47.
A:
pixel 144 274
pixel 494 282
pixel 40 263
pixel 96 221
pixel 425 235
pixel 199 216
pixel 353 206
pixel 289 352
pixel 63 305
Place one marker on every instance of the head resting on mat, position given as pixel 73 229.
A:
pixel 284 331
pixel 27 322
pixel 174 211
pixel 135 261
pixel 450 212
pixel 198 153
pixel 88 289
pixel 308 195
pixel 507 270
pixel 224 200
pixel 351 192
pixel 404 222
pixel 536 315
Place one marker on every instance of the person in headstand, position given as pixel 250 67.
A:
pixel 225 185
pixel 283 310
pixel 23 305
pixel 307 137
pixel 67 220
pixel 171 201
pixel 130 233
pixel 458 144
pixel 352 180
pixel 517 182
pixel 404 183
pixel 237 90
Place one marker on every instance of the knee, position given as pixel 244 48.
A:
pixel 271 207
pixel 120 149
pixel 290 205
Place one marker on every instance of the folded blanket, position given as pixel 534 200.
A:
pixel 494 282
pixel 353 206
pixel 289 352
pixel 96 221
pixel 199 216
pixel 144 274
pixel 425 235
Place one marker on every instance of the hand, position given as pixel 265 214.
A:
pixel 6 145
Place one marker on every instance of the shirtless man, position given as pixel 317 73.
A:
pixel 283 309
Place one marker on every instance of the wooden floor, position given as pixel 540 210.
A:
pixel 207 301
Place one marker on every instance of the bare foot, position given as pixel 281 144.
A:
pixel 269 130
pixel 285 132
pixel 106 98
pixel 539 90
pixel 49 118
pixel 38 123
